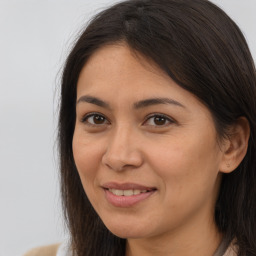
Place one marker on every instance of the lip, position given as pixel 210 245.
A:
pixel 126 201
pixel 126 186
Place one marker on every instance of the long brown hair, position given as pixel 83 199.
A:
pixel 204 52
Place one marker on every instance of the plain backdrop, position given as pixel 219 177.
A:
pixel 35 38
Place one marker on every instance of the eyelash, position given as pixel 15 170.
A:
pixel 86 117
pixel 155 115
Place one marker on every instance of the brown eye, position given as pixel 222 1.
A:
pixel 95 119
pixel 158 121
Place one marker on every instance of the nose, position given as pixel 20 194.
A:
pixel 122 150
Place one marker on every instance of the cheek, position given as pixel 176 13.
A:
pixel 186 166
pixel 189 178
pixel 87 156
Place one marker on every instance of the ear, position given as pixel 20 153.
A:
pixel 235 147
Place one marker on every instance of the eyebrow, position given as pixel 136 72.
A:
pixel 156 101
pixel 137 105
pixel 93 100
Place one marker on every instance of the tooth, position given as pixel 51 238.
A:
pixel 136 191
pixel 128 192
pixel 117 192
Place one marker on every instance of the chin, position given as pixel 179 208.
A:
pixel 127 231
pixel 127 234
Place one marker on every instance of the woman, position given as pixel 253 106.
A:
pixel 157 130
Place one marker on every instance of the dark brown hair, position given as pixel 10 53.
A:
pixel 204 52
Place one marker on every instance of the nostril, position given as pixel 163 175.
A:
pixel 120 160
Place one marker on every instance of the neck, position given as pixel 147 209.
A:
pixel 202 240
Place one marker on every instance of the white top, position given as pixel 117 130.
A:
pixel 63 249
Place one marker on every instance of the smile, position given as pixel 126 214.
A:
pixel 126 195
pixel 129 192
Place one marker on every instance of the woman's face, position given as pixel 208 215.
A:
pixel 146 150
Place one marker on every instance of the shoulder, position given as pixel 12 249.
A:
pixel 232 250
pixel 50 250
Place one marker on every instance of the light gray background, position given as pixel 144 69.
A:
pixel 35 37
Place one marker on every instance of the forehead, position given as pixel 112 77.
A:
pixel 116 72
pixel 119 64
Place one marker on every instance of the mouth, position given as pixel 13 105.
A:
pixel 128 194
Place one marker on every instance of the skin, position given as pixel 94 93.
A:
pixel 180 156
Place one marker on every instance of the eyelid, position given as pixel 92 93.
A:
pixel 168 118
pixel 88 115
